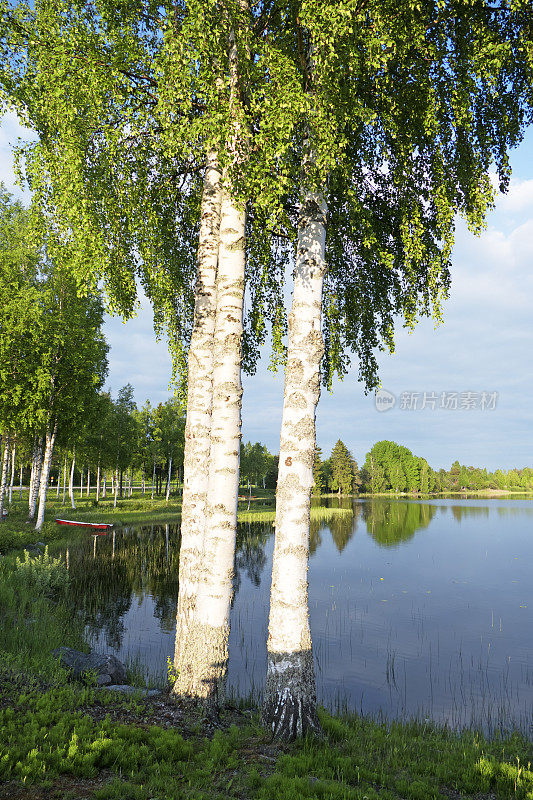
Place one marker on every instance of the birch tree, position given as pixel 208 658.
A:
pixel 159 90
pixel 73 356
pixel 405 115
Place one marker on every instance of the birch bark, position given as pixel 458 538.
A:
pixel 12 476
pixel 168 481
pixel 64 479
pixel 35 483
pixel 290 698
pixel 203 626
pixel 208 633
pixel 198 425
pixel 98 483
pixel 3 479
pixel 104 488
pixel 88 492
pixel 71 481
pixel 45 474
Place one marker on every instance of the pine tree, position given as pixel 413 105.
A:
pixel 318 474
pixel 341 468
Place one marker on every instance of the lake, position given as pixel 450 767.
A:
pixel 418 608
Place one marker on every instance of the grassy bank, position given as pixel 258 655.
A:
pixel 16 532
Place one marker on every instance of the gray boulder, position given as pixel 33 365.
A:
pixel 107 668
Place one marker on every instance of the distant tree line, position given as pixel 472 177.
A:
pixel 393 468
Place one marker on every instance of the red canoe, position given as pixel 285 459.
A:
pixel 99 526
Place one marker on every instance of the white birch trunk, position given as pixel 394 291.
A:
pixel 12 478
pixel 81 483
pixel 290 697
pixel 98 483
pixel 198 432
pixel 3 479
pixel 104 491
pixel 168 482
pixel 64 480
pixel 153 481
pixel 34 484
pixel 32 472
pixel 116 489
pixel 58 488
pixel 202 661
pixel 216 577
pixel 71 481
pixel 45 474
pixel 88 492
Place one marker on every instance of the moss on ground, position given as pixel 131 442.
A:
pixel 53 740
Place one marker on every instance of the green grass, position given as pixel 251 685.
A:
pixel 269 515
pixel 36 617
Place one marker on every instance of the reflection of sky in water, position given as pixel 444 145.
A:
pixel 437 625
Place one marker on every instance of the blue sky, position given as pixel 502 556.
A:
pixel 484 345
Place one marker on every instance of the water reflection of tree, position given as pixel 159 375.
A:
pixel 109 572
pixel 250 557
pixel 389 524
pixel 469 511
pixel 132 563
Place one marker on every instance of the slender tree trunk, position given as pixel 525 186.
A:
pixel 143 479
pixel 153 481
pixel 289 707
pixel 81 483
pixel 121 478
pixel 216 577
pixel 20 480
pixel 12 478
pixel 113 482
pixel 131 481
pixel 88 493
pixel 116 489
pixel 58 489
pixel 98 483
pixel 104 492
pixel 71 480
pixel 34 484
pixel 32 471
pixel 198 432
pixel 64 480
pixel 202 662
pixel 45 474
pixel 3 479
pixel 169 473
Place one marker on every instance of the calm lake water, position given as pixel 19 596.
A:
pixel 418 608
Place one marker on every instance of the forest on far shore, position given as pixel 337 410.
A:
pixel 390 467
